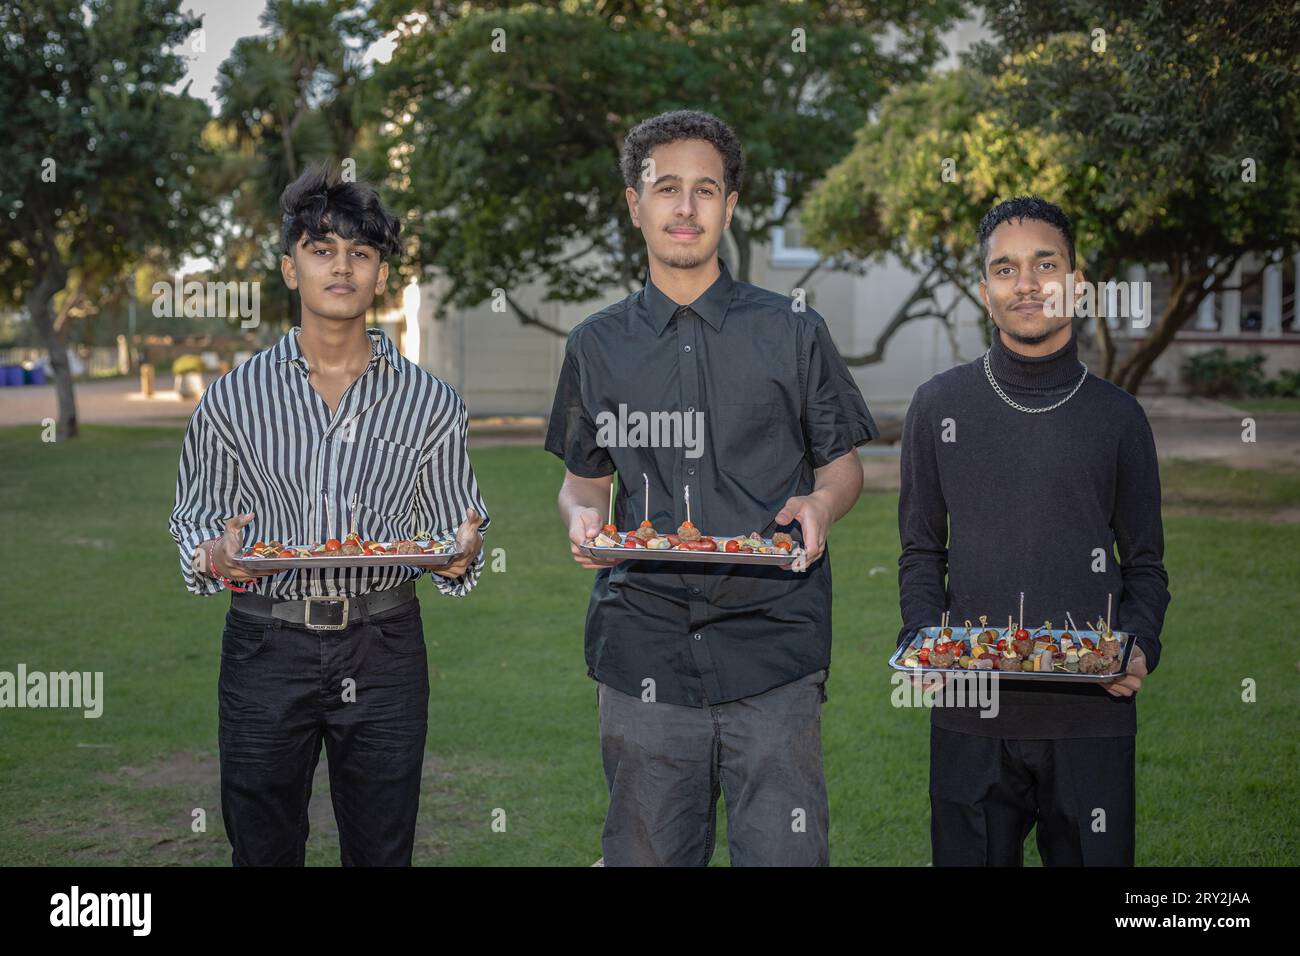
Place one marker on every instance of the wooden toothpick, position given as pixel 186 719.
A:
pixel 688 504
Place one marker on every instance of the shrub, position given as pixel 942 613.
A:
pixel 1217 374
pixel 187 363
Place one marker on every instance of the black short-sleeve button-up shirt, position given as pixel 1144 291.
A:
pixel 739 396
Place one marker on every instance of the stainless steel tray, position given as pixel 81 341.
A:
pixel 1125 641
pixel 697 557
pixel 350 560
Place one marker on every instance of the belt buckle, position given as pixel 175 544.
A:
pixel 324 627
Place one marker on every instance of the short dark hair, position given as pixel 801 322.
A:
pixel 677 125
pixel 320 201
pixel 1024 207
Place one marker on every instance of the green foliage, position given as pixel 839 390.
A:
pixel 1286 385
pixel 99 164
pixel 1215 373
pixel 1171 139
pixel 507 162
pixel 184 364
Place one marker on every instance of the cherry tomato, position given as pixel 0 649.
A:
pixel 332 544
pixel 286 553
pixel 732 546
pixel 633 542
pixel 785 546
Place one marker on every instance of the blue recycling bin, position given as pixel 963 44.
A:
pixel 11 375
pixel 37 375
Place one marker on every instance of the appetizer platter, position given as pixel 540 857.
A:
pixel 351 552
pixel 688 543
pixel 422 550
pixel 1097 654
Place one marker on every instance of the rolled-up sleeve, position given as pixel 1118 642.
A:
pixel 835 415
pixel 207 493
pixel 571 434
pixel 446 489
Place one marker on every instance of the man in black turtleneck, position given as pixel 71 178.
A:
pixel 996 500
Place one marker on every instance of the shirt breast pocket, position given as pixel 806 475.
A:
pixel 389 488
pixel 746 438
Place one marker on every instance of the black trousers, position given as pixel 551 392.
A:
pixel 986 793
pixel 362 692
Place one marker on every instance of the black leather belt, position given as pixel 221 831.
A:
pixel 325 613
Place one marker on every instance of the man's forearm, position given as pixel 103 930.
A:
pixel 578 493
pixel 839 484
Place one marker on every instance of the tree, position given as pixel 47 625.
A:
pixel 292 96
pixel 99 164
pixel 504 153
pixel 1140 133
pixel 917 180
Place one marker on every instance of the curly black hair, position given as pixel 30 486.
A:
pixel 1024 207
pixel 678 125
pixel 320 202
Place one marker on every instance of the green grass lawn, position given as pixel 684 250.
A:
pixel 1254 405
pixel 91 583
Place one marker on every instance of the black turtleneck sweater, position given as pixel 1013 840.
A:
pixel 1015 502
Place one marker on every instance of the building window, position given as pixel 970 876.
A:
pixel 787 249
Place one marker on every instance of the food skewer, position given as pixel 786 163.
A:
pixel 611 500
pixel 646 533
pixel 688 504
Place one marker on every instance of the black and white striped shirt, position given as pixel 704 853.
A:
pixel 263 440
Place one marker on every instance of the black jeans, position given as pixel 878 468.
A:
pixel 986 793
pixel 363 692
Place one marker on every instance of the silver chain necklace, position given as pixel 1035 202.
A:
pixel 1020 408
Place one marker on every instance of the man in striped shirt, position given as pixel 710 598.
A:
pixel 329 426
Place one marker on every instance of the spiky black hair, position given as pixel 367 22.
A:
pixel 320 201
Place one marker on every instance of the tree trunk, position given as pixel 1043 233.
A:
pixel 1106 345
pixel 744 249
pixel 1185 295
pixel 38 301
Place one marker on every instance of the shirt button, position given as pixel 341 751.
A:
pixel 697 637
pixel 687 348
pixel 695 591
pixel 690 471
pixel 690 408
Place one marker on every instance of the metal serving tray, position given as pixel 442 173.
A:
pixel 351 560
pixel 698 557
pixel 1125 641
